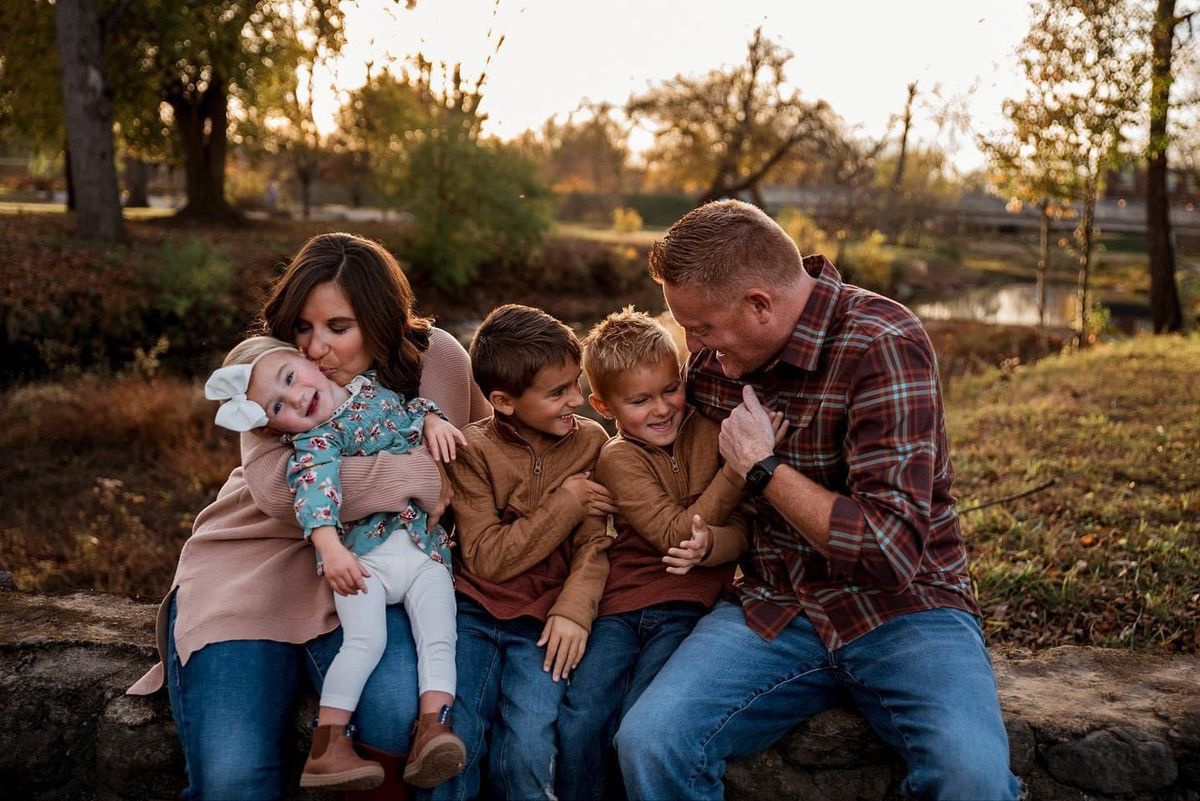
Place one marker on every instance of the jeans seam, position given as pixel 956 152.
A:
pixel 476 754
pixel 734 711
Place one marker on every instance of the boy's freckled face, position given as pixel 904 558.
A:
pixel 648 402
pixel 293 391
pixel 549 404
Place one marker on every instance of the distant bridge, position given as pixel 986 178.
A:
pixel 976 211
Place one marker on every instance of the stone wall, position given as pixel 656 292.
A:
pixel 1084 723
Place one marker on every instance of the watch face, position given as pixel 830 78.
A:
pixel 757 478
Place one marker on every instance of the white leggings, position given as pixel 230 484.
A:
pixel 400 573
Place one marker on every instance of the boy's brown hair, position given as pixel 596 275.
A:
pixel 721 245
pixel 514 343
pixel 623 341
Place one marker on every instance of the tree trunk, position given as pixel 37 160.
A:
pixel 1042 268
pixel 201 123
pixel 67 175
pixel 306 180
pixel 137 176
pixel 893 215
pixel 1165 310
pixel 1086 231
pixel 89 122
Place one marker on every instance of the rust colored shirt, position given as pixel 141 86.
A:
pixel 858 383
pixel 657 492
pixel 527 548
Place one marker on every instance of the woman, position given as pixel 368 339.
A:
pixel 247 616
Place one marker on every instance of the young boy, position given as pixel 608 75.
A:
pixel 676 506
pixel 532 531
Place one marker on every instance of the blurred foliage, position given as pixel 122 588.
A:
pixel 626 220
pixel 471 201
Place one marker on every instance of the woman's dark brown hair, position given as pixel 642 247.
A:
pixel 394 335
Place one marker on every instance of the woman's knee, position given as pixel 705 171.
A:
pixel 236 763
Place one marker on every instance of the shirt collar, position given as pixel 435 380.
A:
pixel 803 349
pixel 502 423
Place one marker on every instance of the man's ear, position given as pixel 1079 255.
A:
pixel 761 304
pixel 501 401
pixel 600 406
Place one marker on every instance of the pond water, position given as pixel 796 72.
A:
pixel 1017 304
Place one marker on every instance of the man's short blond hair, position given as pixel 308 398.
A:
pixel 723 245
pixel 624 341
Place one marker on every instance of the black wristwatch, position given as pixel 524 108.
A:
pixel 759 475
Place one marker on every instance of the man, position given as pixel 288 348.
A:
pixel 856 585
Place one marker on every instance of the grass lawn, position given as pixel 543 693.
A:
pixel 1110 554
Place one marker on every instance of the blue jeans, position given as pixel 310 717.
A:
pixel 506 698
pixel 624 653
pixel 234 703
pixel 923 681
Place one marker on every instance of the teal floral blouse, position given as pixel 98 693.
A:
pixel 374 419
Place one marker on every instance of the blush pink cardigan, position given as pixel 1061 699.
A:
pixel 247 573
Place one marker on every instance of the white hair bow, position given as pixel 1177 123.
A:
pixel 236 412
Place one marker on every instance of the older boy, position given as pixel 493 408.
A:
pixel 676 505
pixel 531 566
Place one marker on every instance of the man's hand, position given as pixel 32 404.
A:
pixel 592 496
pixel 749 434
pixel 342 569
pixel 441 438
pixel 690 552
pixel 565 642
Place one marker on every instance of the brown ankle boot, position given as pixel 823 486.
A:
pixel 393 787
pixel 332 763
pixel 436 754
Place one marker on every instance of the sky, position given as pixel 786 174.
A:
pixel 857 56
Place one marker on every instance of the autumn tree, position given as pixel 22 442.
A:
pixel 1083 90
pixel 723 133
pixel 1031 162
pixel 1166 312
pixel 588 151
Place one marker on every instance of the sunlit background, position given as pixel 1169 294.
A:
pixel 859 57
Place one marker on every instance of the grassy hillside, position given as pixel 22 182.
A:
pixel 1110 553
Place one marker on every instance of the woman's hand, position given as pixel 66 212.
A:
pixel 565 642
pixel 342 569
pixel 690 552
pixel 441 438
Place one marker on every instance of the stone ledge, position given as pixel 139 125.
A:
pixel 1083 722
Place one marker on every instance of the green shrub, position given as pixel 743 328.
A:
pixel 867 263
pixel 472 203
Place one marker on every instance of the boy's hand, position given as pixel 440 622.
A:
pixel 780 425
pixel 690 552
pixel 441 438
pixel 592 496
pixel 342 570
pixel 565 642
pixel 445 496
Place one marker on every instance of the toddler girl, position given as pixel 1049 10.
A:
pixel 267 384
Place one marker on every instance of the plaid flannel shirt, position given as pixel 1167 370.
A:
pixel 858 383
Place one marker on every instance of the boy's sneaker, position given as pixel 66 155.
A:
pixel 333 763
pixel 436 754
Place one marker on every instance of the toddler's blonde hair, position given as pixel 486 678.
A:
pixel 249 350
